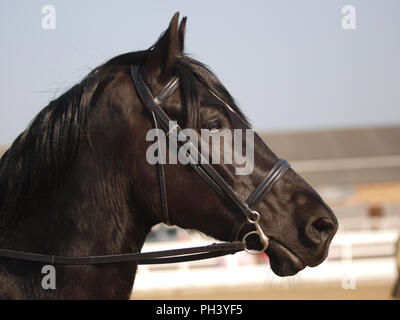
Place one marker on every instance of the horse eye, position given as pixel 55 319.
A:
pixel 214 124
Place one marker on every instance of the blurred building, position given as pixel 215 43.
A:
pixel 357 171
pixel 342 156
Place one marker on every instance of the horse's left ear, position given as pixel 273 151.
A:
pixel 161 58
pixel 182 28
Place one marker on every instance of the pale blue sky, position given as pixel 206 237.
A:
pixel 289 64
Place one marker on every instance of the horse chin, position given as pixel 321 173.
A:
pixel 283 261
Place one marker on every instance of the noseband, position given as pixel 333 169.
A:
pixel 202 167
pixel 206 172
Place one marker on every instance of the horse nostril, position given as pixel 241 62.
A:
pixel 319 230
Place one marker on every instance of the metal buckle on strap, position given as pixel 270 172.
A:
pixel 263 238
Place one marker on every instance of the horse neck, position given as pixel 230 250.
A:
pixel 91 214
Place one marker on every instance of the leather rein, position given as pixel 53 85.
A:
pixel 206 172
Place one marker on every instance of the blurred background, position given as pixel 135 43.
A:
pixel 318 80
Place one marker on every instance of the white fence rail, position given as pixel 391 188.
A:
pixel 354 256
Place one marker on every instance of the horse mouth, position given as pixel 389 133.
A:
pixel 284 262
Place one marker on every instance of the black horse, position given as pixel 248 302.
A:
pixel 76 182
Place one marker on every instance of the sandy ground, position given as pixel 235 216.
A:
pixel 334 291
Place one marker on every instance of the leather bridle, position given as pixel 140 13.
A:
pixel 200 165
pixel 207 173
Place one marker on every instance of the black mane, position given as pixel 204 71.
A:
pixel 39 159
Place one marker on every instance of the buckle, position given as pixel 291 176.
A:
pixel 263 238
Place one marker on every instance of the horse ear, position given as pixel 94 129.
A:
pixel 161 58
pixel 181 32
